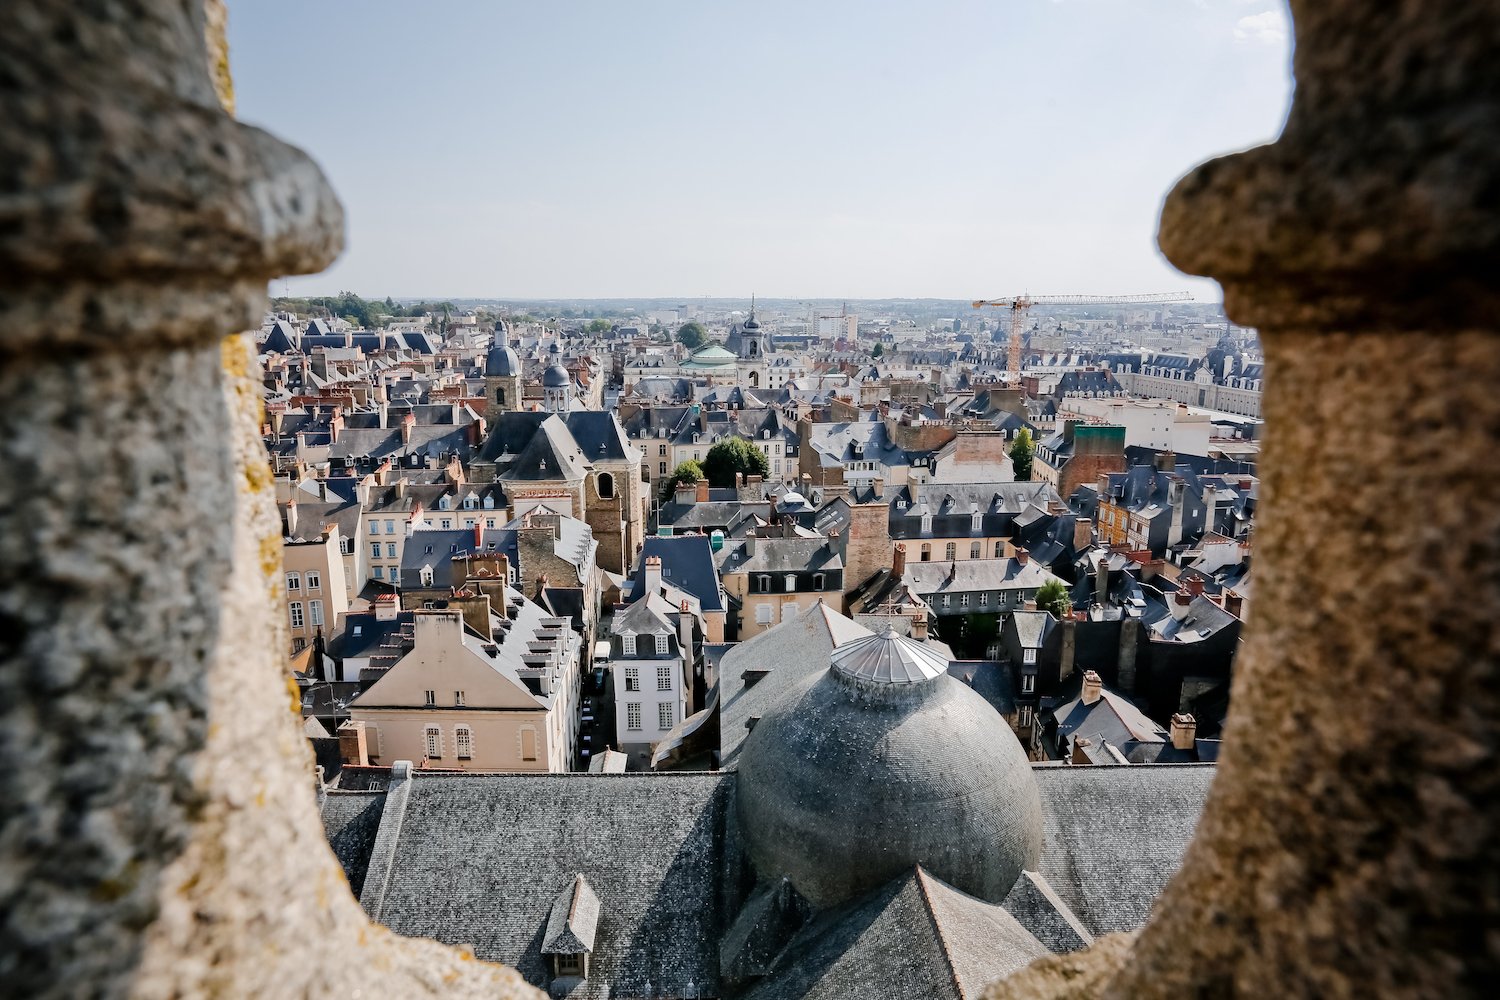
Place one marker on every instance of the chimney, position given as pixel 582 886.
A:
pixel 291 518
pixel 407 423
pixel 1194 585
pixel 750 546
pixel 1180 604
pixel 477 430
pixel 336 424
pixel 383 471
pixel 739 480
pixel 387 608
pixel 353 745
pixel 1083 534
pixel 754 480
pixel 653 574
pixel 1022 556
pixel 1165 461
pixel 1184 731
pixel 1234 603
pixel 278 418
pixel 1093 687
pixel 701 488
pixel 788 527
pixel 383 413
pixel 898 561
pixel 401 488
pixel 1244 485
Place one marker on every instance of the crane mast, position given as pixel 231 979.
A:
pixel 1020 304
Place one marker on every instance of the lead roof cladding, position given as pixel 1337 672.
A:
pixel 847 782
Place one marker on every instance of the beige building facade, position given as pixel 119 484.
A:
pixel 452 703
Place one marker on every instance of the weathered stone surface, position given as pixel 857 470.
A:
pixel 1350 844
pixel 120 176
pixel 159 836
pixel 1377 208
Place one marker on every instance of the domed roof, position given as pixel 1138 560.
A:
pixel 881 763
pixel 501 362
pixel 556 377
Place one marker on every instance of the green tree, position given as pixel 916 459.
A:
pixel 1021 452
pixel 879 350
pixel 600 326
pixel 687 472
pixel 692 335
pixel 730 456
pixel 1052 597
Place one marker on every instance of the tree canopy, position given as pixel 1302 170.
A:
pixel 692 335
pixel 878 351
pixel 600 326
pixel 1021 452
pixel 687 472
pixel 730 456
pixel 1052 597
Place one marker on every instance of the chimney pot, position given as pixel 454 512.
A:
pixel 1093 687
pixel 1184 731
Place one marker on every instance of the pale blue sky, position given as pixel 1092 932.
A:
pixel 802 149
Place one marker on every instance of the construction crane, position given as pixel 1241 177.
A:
pixel 1019 304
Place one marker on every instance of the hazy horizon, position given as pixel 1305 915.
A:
pixel 802 152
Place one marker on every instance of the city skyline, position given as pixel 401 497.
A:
pixel 953 152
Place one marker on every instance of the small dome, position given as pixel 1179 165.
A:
pixel 501 362
pixel 881 763
pixel 556 377
pixel 888 658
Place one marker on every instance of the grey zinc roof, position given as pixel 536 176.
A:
pixel 1116 834
pixel 481 859
pixel 973 575
pixel 781 555
pixel 888 658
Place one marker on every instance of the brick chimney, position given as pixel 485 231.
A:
pixel 383 471
pixel 701 491
pixel 408 422
pixel 353 744
pixel 898 561
pixel 653 574
pixel 336 424
pixel 387 608
pixel 1194 585
pixel 1093 687
pixel 1022 556
pixel 1184 731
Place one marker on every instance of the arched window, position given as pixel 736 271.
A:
pixel 606 486
pixel 926 552
pixel 999 549
pixel 433 739
pixel 974 550
pixel 950 551
pixel 463 742
pixel 500 395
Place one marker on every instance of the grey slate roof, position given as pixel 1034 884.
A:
pixel 915 938
pixel 481 859
pixel 1115 834
pixel 776 660
pixel 687 562
pixel 1042 912
pixel 550 454
pixel 350 822
pixel 573 921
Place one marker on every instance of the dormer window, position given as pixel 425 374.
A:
pixel 443 503
pixel 426 576
pixel 469 503
pixel 661 644
pixel 489 503
pixel 627 644
pixel 791 582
